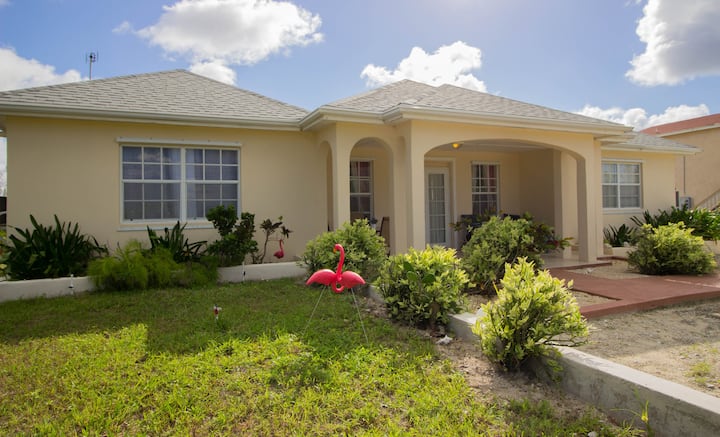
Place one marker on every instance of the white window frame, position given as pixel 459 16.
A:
pixel 619 184
pixel 369 178
pixel 473 192
pixel 183 146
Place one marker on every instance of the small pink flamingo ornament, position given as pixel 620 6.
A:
pixel 280 253
pixel 337 280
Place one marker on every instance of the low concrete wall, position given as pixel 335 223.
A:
pixel 14 290
pixel 621 392
pixel 260 272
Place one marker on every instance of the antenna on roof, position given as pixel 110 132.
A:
pixel 91 58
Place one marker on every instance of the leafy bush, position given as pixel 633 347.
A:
pixel 423 287
pixel 50 252
pixel 704 223
pixel 174 241
pixel 269 228
pixel 125 270
pixel 497 242
pixel 364 250
pixel 532 312
pixel 134 268
pixel 671 249
pixel 236 237
pixel 618 237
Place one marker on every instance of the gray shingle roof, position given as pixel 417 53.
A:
pixel 453 98
pixel 168 94
pixel 641 141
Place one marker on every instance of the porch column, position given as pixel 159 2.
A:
pixel 341 183
pixel 587 182
pixel 416 196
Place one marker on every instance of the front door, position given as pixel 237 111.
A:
pixel 437 206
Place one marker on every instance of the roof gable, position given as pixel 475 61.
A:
pixel 168 95
pixel 417 95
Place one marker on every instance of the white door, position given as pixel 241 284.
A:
pixel 437 206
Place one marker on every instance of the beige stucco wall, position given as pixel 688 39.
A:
pixel 697 175
pixel 71 168
pixel 658 187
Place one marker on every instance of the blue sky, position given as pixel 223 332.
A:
pixel 638 62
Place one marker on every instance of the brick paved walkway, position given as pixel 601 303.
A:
pixel 640 293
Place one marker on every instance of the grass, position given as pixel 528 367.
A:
pixel 158 363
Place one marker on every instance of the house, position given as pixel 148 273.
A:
pixel 697 179
pixel 120 154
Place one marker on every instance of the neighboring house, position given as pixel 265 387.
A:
pixel 120 154
pixel 697 179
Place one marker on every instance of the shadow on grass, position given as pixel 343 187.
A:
pixel 182 321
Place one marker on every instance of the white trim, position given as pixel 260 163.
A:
pixel 183 147
pixel 155 226
pixel 445 171
pixel 170 141
pixel 499 183
pixel 621 210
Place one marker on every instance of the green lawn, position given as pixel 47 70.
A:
pixel 157 363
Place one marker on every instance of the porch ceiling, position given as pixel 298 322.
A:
pixel 491 146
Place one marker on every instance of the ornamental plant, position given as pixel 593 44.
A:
pixel 498 242
pixel 532 312
pixel 236 236
pixel 50 251
pixel 134 268
pixel 423 287
pixel 702 222
pixel 364 250
pixel 671 250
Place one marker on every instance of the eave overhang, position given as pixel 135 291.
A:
pixel 152 118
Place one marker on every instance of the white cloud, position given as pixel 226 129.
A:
pixel 18 72
pixel 682 40
pixel 638 117
pixel 124 27
pixel 4 3
pixel 449 64
pixel 230 32
pixel 215 70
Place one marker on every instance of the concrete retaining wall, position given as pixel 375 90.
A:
pixel 621 392
pixel 14 290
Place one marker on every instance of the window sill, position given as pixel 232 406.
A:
pixel 624 211
pixel 160 226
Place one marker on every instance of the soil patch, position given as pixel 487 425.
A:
pixel 679 343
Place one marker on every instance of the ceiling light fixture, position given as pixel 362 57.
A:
pixel 456 145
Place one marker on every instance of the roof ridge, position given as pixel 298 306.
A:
pixel 90 81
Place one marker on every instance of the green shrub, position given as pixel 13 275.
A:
pixel 134 268
pixel 671 249
pixel 126 270
pixel 364 250
pixel 618 237
pixel 236 237
pixel 174 240
pixel 50 252
pixel 532 312
pixel 702 222
pixel 497 242
pixel 269 228
pixel 423 287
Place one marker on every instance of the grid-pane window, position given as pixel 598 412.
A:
pixel 173 183
pixel 212 177
pixel 361 196
pixel 621 185
pixel 485 189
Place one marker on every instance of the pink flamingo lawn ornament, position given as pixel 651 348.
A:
pixel 280 253
pixel 337 280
